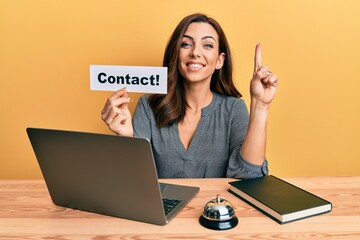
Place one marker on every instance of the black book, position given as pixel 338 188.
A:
pixel 278 199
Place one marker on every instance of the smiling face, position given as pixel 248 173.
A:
pixel 199 53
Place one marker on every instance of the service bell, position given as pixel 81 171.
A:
pixel 218 214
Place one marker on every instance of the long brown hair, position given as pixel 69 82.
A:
pixel 171 107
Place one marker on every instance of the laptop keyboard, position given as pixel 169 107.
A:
pixel 170 204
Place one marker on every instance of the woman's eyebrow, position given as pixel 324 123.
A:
pixel 205 37
pixel 208 37
pixel 187 36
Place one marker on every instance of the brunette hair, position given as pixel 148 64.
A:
pixel 171 107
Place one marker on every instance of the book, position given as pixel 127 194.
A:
pixel 278 199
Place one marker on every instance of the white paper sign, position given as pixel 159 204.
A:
pixel 134 78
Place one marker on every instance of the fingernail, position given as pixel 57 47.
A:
pixel 131 99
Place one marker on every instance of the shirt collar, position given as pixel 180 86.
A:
pixel 213 106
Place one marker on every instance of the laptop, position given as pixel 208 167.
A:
pixel 106 174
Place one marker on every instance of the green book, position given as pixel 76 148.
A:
pixel 278 199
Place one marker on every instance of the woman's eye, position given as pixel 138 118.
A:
pixel 208 45
pixel 185 44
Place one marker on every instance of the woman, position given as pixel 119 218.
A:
pixel 201 127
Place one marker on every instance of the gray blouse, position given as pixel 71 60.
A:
pixel 214 151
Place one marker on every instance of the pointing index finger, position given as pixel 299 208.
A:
pixel 257 58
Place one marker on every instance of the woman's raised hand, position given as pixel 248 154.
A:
pixel 264 83
pixel 116 113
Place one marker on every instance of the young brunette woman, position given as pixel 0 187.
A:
pixel 201 127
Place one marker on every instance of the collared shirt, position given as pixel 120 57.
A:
pixel 214 151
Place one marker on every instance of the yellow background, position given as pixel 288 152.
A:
pixel 46 48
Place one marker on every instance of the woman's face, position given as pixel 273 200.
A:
pixel 199 53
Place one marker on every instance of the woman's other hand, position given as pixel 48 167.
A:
pixel 264 83
pixel 116 113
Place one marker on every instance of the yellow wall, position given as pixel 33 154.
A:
pixel 46 48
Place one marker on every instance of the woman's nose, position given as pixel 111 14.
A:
pixel 196 52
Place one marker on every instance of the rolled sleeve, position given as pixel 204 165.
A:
pixel 240 168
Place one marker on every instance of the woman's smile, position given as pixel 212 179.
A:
pixel 195 65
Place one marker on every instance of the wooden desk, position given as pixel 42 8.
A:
pixel 26 212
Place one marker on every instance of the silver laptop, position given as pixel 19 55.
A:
pixel 106 174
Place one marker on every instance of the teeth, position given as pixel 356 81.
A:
pixel 195 65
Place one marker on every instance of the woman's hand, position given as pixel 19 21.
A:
pixel 116 113
pixel 264 83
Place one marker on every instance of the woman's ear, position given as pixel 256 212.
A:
pixel 220 61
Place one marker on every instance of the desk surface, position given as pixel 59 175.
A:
pixel 27 212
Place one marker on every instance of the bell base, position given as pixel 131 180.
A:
pixel 218 225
